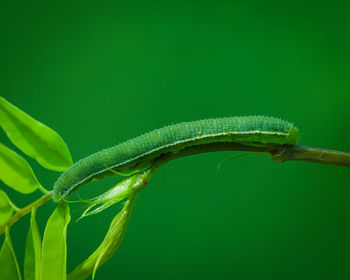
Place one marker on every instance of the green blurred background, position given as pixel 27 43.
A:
pixel 100 73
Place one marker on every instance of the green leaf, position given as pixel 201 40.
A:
pixel 34 138
pixel 33 251
pixel 6 209
pixel 9 269
pixel 16 172
pixel 115 194
pixel 54 251
pixel 108 246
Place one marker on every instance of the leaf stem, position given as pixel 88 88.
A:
pixel 14 206
pixel 42 189
pixel 24 211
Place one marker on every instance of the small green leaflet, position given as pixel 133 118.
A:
pixel 33 251
pixel 6 210
pixel 8 263
pixel 115 194
pixel 108 246
pixel 54 250
pixel 34 138
pixel 16 172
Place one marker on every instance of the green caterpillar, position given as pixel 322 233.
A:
pixel 140 152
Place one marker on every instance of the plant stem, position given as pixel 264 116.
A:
pixel 24 211
pixel 305 153
pixel 278 153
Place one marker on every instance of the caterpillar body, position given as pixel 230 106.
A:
pixel 140 152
